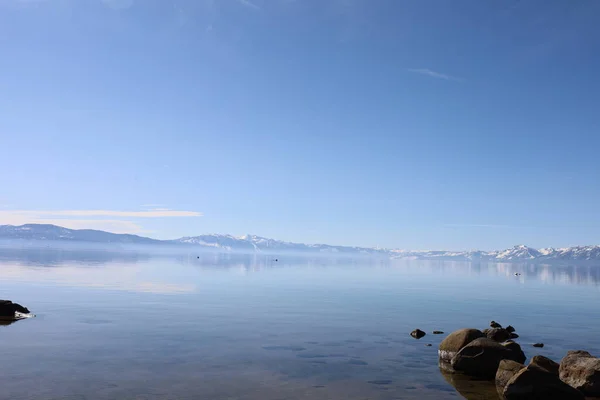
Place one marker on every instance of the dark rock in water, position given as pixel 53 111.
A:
pixel 582 371
pixel 533 383
pixel 497 334
pixel 428 345
pixel 8 308
pixel 538 345
pixel 545 364
pixel 513 335
pixel 417 334
pixel 481 357
pixel 506 370
pixel 494 324
pixel 438 332
pixel 510 329
pixel 456 341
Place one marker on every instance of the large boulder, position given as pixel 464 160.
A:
pixel 8 308
pixel 545 364
pixel 532 383
pixel 456 341
pixel 497 334
pixel 518 353
pixel 506 370
pixel 481 357
pixel 582 371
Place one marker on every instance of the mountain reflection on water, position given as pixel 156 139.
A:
pixel 45 255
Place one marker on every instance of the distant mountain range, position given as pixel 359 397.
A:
pixel 257 244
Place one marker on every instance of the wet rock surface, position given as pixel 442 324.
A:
pixel 481 357
pixel 456 341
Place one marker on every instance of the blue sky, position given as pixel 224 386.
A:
pixel 407 124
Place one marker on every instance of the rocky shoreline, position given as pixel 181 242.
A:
pixel 493 358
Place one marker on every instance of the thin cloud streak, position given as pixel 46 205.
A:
pixel 485 226
pixel 105 220
pixel 249 4
pixel 434 74
pixel 157 213
pixel 108 225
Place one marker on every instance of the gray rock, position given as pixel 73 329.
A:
pixel 581 370
pixel 497 334
pixel 538 345
pixel 545 364
pixel 506 370
pixel 481 357
pixel 516 349
pixel 456 341
pixel 533 383
pixel 510 329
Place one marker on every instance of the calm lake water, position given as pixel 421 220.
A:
pixel 124 325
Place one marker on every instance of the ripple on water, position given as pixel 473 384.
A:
pixel 357 362
pixel 380 382
pixel 289 348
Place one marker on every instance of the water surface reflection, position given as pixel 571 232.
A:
pixel 126 324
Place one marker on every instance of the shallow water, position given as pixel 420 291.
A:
pixel 127 325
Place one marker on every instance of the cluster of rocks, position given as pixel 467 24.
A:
pixel 491 354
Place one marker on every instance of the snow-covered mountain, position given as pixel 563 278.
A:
pixel 258 244
pixel 517 253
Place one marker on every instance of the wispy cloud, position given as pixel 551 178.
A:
pixel 492 226
pixel 118 4
pixel 434 74
pixel 156 213
pixel 106 220
pixel 249 4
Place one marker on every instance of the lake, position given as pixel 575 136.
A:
pixel 116 324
